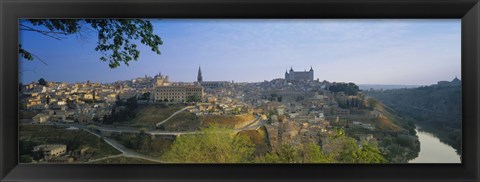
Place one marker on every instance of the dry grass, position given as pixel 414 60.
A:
pixel 225 121
pixel 386 121
pixel 150 115
pixel 184 121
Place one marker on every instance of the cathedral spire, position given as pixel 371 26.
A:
pixel 199 77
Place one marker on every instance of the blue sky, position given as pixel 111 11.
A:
pixel 408 52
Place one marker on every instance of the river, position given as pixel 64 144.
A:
pixel 432 150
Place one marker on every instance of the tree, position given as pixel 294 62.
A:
pixel 141 141
pixel 94 96
pixel 145 96
pixel 370 154
pixel 119 101
pixel 114 36
pixel 193 98
pixel 312 153
pixel 211 145
pixel 287 154
pixel 132 103
pixel 372 103
pixel 347 88
pixel 307 153
pixel 345 149
pixel 42 81
pixel 25 159
pixel 47 98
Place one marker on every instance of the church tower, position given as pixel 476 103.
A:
pixel 199 77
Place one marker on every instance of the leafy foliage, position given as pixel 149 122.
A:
pixel 212 145
pixel 308 153
pixel 24 53
pixel 344 149
pixel 372 103
pixel 145 96
pixel 351 103
pixel 222 145
pixel 42 81
pixel 347 88
pixel 122 111
pixel 114 36
pixel 193 98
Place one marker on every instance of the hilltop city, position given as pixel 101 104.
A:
pixel 293 110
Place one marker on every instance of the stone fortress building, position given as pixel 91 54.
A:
pixel 299 75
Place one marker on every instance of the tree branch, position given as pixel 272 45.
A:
pixel 46 33
pixel 39 59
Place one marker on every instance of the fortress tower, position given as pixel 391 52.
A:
pixel 299 75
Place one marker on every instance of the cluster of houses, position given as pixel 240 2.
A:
pixel 58 153
pixel 87 102
pixel 298 111
pixel 303 112
pixel 79 102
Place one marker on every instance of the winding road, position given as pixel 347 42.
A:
pixel 253 125
pixel 125 151
pixel 174 114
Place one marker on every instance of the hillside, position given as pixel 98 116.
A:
pixel 435 109
pixel 396 136
pixel 231 121
pixel 147 116
pixel 259 138
pixel 386 123
pixel 384 87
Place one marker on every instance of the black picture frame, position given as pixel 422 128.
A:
pixel 466 10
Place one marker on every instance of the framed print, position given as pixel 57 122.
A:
pixel 239 90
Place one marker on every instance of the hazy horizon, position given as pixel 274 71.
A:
pixel 362 84
pixel 381 52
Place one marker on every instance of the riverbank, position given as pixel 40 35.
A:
pixel 432 150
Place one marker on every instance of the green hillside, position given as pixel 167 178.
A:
pixel 435 109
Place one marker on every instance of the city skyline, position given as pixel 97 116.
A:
pixel 403 52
